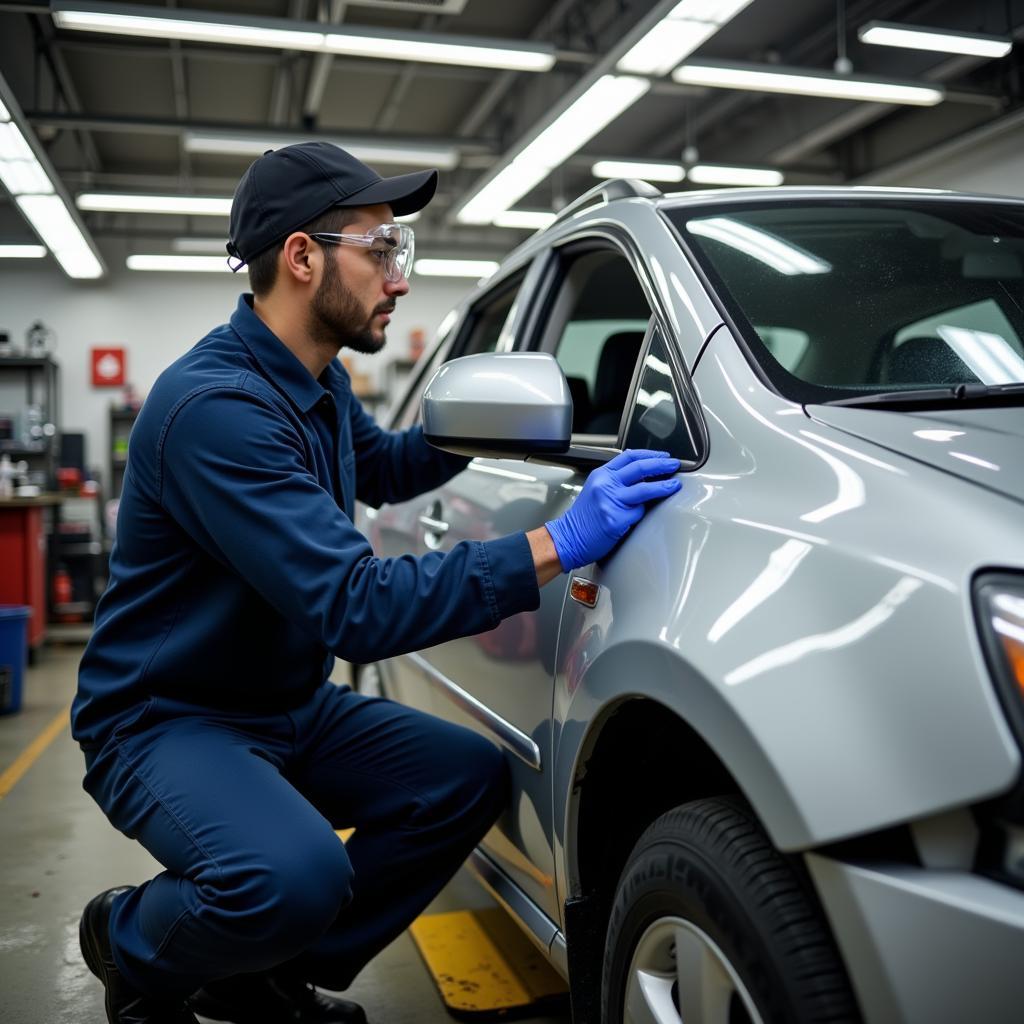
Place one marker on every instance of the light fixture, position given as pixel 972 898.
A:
pixel 286 34
pixel 647 170
pixel 763 246
pixel 198 26
pixel 572 129
pixel 456 268
pixel 412 155
pixel 441 50
pixel 27 174
pixel 193 264
pixel 22 252
pixel 409 218
pixel 689 24
pixel 204 245
pixel 719 174
pixel 917 37
pixel 53 222
pixel 806 82
pixel 201 206
pixel 530 219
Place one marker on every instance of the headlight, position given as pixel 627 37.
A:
pixel 999 606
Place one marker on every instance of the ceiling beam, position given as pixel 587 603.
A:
pixel 332 12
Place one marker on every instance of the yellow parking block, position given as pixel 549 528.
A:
pixel 483 964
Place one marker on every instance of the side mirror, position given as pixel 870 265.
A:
pixel 498 405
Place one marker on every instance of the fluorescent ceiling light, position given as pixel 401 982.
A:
pixel 531 219
pixel 409 218
pixel 22 252
pixel 717 174
pixel 917 37
pixel 444 157
pixel 687 26
pixel 806 82
pixel 760 245
pixel 990 356
pixel 202 206
pixel 591 112
pixel 456 268
pixel 13 145
pixel 285 34
pixel 206 245
pixel 5 114
pixel 471 54
pixel 193 264
pixel 638 169
pixel 54 224
pixel 81 18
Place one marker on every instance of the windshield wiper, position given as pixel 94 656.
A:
pixel 958 394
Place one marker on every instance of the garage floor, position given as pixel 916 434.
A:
pixel 57 850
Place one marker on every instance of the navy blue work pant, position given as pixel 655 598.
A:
pixel 241 810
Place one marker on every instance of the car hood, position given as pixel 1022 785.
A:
pixel 984 446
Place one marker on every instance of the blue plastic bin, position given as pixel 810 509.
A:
pixel 13 654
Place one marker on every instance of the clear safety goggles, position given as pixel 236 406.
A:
pixel 394 243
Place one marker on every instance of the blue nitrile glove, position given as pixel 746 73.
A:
pixel 612 500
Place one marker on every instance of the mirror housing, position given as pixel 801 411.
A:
pixel 498 405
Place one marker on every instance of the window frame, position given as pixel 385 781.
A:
pixel 544 338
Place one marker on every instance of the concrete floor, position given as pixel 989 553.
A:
pixel 57 851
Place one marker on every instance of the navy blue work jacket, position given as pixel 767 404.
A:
pixel 237 573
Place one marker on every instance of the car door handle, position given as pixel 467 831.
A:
pixel 434 528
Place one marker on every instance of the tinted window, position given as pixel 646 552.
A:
pixel 657 420
pixel 872 294
pixel 600 318
pixel 490 320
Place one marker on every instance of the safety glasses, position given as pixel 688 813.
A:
pixel 393 242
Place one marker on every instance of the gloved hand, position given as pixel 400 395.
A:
pixel 612 500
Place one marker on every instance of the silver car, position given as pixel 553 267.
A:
pixel 766 757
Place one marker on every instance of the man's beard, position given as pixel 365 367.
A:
pixel 336 319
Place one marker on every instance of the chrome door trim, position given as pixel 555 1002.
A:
pixel 507 734
pixel 539 928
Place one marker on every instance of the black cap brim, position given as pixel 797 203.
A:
pixel 405 193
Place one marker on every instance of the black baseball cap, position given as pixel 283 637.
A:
pixel 286 188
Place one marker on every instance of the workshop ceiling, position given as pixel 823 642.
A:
pixel 114 113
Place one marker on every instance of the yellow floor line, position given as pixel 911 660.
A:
pixel 481 963
pixel 30 754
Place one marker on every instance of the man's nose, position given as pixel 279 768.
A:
pixel 393 289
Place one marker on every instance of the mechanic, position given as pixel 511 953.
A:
pixel 211 732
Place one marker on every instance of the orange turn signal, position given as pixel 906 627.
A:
pixel 584 591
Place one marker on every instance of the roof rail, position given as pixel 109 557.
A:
pixel 615 188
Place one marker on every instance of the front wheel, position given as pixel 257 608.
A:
pixel 712 925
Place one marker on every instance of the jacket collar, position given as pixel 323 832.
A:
pixel 279 363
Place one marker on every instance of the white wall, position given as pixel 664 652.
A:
pixel 993 165
pixel 157 317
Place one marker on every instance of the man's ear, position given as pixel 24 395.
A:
pixel 300 258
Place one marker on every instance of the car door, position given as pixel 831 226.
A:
pixel 588 308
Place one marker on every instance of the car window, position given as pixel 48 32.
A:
pixel 596 330
pixel 657 420
pixel 973 342
pixel 489 323
pixel 837 298
pixel 486 328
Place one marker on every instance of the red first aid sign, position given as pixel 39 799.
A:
pixel 108 367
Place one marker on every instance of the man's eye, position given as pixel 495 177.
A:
pixel 379 254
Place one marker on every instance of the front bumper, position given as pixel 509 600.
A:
pixel 926 946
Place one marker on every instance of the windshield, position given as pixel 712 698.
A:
pixel 838 298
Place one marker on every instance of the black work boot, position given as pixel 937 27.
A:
pixel 272 998
pixel 124 1004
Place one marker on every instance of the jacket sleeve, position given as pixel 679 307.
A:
pixel 394 466
pixel 233 475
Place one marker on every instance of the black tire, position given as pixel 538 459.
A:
pixel 710 864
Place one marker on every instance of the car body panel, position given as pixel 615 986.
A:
pixel 983 445
pixel 937 946
pixel 832 724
